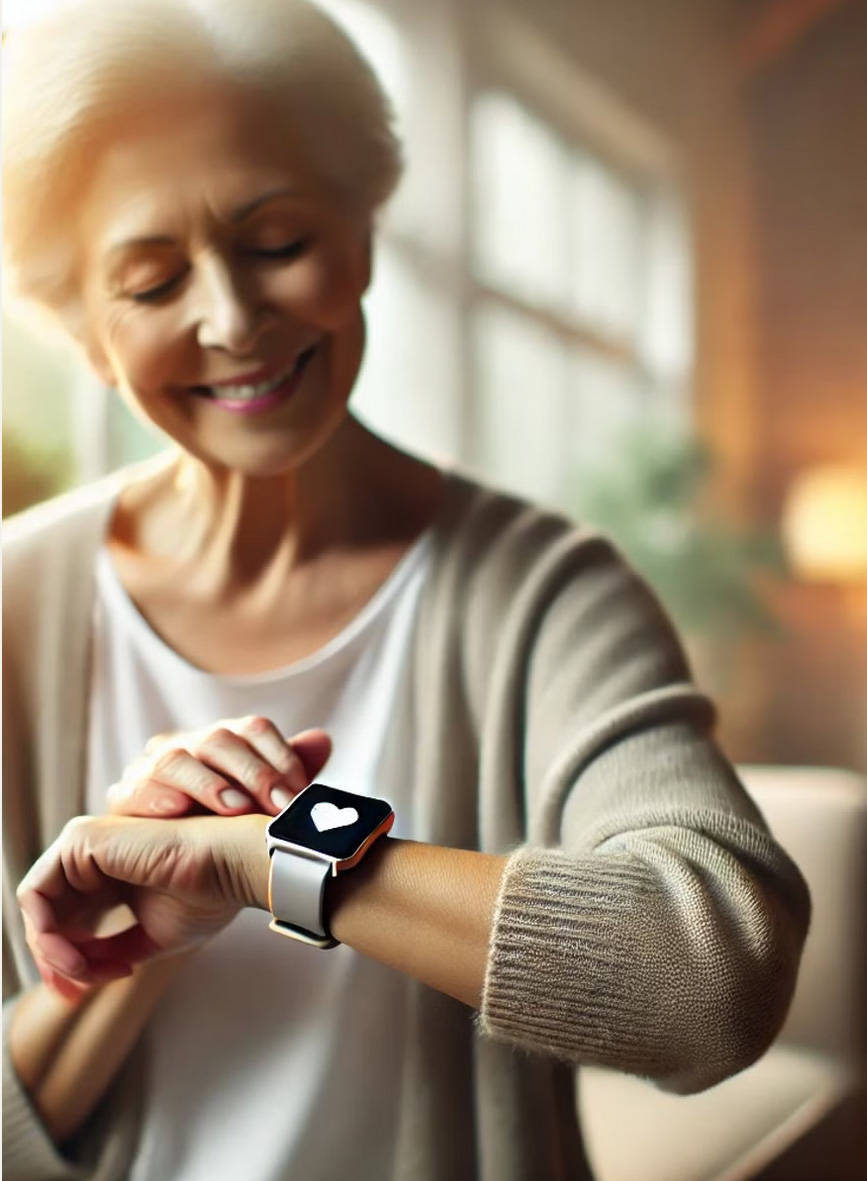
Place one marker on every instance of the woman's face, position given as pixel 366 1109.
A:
pixel 222 282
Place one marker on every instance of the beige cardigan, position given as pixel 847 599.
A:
pixel 646 921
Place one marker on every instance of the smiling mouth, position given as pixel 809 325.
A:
pixel 261 390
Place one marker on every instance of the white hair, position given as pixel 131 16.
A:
pixel 89 63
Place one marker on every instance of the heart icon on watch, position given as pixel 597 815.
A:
pixel 327 816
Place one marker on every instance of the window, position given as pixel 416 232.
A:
pixel 581 307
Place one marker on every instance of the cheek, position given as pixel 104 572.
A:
pixel 145 350
pixel 327 290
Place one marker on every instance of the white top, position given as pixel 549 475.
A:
pixel 271 1060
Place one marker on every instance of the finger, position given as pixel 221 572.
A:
pixel 60 955
pixel 65 988
pixel 126 947
pixel 147 797
pixel 67 969
pixel 178 780
pixel 268 742
pixel 303 756
pixel 158 741
pixel 70 990
pixel 66 883
pixel 38 915
pixel 78 957
pixel 313 748
pixel 234 756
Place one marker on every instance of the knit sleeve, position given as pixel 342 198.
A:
pixel 648 923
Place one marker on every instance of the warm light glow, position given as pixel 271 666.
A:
pixel 18 13
pixel 825 524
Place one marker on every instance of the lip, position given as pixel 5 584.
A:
pixel 263 373
pixel 280 393
pixel 252 378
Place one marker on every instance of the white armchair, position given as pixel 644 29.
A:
pixel 800 1113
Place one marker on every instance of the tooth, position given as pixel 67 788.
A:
pixel 248 393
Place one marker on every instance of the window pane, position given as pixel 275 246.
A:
pixel 608 249
pixel 605 401
pixel 409 386
pixel 667 335
pixel 519 211
pixel 521 385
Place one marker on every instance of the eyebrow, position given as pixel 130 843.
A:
pixel 251 206
pixel 237 215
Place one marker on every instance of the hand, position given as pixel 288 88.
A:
pixel 183 881
pixel 233 767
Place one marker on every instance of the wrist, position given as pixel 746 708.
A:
pixel 248 858
pixel 345 893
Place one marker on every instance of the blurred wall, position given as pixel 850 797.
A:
pixel 775 168
pixel 805 114
pixel 673 62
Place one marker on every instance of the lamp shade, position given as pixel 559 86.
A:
pixel 825 523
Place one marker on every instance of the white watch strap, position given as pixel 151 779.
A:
pixel 297 895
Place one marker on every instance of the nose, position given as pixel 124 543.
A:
pixel 230 315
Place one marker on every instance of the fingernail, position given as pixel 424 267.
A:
pixel 280 798
pixel 232 798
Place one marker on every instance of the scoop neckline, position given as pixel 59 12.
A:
pixel 350 633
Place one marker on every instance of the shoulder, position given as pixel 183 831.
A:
pixel 46 546
pixel 53 518
pixel 49 553
pixel 524 585
pixel 500 545
pixel 65 523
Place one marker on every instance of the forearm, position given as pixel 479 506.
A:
pixel 424 910
pixel 67 1054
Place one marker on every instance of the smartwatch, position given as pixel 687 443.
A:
pixel 322 832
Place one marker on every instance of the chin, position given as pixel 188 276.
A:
pixel 274 453
pixel 261 463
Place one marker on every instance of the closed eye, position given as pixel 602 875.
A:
pixel 289 250
pixel 155 294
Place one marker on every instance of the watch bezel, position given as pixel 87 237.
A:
pixel 331 863
pixel 338 864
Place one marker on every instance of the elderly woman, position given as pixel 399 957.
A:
pixel 574 871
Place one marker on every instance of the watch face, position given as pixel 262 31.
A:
pixel 330 821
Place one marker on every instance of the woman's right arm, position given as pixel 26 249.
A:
pixel 66 1045
pixel 68 1052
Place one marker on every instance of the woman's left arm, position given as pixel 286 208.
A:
pixel 424 910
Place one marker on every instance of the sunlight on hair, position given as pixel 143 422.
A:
pixel 18 13
pixel 380 42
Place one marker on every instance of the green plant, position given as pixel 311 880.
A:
pixel 650 496
pixel 30 476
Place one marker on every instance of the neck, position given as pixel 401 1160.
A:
pixel 355 492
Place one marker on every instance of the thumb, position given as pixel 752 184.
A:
pixel 313 748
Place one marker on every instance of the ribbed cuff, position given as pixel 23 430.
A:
pixel 29 1153
pixel 562 978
